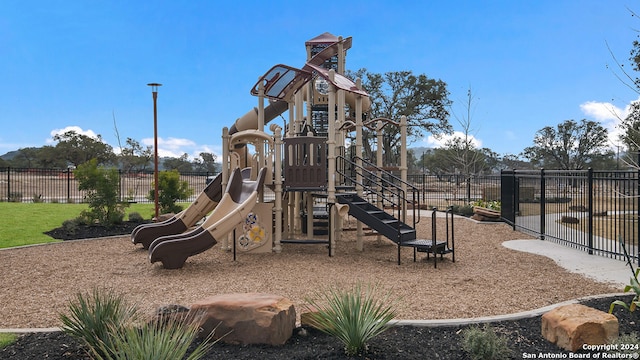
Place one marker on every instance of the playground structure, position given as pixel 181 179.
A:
pixel 278 187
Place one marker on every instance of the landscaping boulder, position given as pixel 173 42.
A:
pixel 252 318
pixel 574 325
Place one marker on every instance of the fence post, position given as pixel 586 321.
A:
pixel 68 185
pixel 8 183
pixel 543 191
pixel 637 207
pixel 120 184
pixel 590 207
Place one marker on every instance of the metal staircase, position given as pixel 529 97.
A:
pixel 389 192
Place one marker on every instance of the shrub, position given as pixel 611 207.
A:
pixel 626 344
pixel 102 193
pixel 70 226
pixel 353 316
pixel 15 196
pixel 493 205
pixel 165 338
pixel 485 344
pixel 464 210
pixel 135 217
pixel 97 319
pixel 170 190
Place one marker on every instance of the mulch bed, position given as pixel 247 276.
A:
pixel 401 342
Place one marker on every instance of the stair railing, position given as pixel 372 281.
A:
pixel 386 186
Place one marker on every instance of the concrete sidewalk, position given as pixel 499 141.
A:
pixel 596 267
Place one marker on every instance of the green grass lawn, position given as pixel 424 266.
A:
pixel 25 223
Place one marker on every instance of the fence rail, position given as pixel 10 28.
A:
pixel 55 185
pixel 588 210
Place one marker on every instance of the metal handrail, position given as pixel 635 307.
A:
pixel 385 184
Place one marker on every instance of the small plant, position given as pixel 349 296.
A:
pixel 484 343
pixel 627 343
pixel 464 210
pixel 492 205
pixel 7 339
pixel 353 316
pixel 170 190
pixel 15 196
pixel 97 319
pixel 165 338
pixel 70 226
pixel 633 285
pixel 135 217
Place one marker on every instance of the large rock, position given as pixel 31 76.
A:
pixel 252 318
pixel 573 325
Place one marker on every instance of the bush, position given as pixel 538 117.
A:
pixel 70 226
pixel 485 344
pixel 626 344
pixel 464 210
pixel 353 316
pixel 135 217
pixel 97 319
pixel 170 190
pixel 102 193
pixel 15 196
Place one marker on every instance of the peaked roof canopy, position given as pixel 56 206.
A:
pixel 326 38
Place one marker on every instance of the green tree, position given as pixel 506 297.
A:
pixel 181 164
pixel 78 148
pixel 133 157
pixel 424 101
pixel 42 157
pixel 570 146
pixel 630 127
pixel 206 162
pixel 170 190
pixel 101 185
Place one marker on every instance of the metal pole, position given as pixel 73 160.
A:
pixel 154 91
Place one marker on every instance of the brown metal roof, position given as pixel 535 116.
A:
pixel 326 38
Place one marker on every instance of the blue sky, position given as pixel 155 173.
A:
pixel 72 64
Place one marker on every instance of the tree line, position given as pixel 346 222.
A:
pixel 73 149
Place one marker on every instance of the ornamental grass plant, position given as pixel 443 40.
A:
pixel 354 316
pixel 96 319
pixel 164 338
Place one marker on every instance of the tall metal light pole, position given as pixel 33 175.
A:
pixel 154 91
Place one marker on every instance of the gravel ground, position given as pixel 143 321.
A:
pixel 486 279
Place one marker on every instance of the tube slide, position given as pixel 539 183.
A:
pixel 205 202
pixel 237 202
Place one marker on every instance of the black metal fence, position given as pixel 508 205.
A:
pixel 442 191
pixel 54 185
pixel 589 210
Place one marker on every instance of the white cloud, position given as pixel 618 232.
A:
pixel 440 141
pixel 176 147
pixel 90 133
pixel 608 115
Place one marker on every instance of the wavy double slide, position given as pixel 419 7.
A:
pixel 236 203
pixel 204 203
